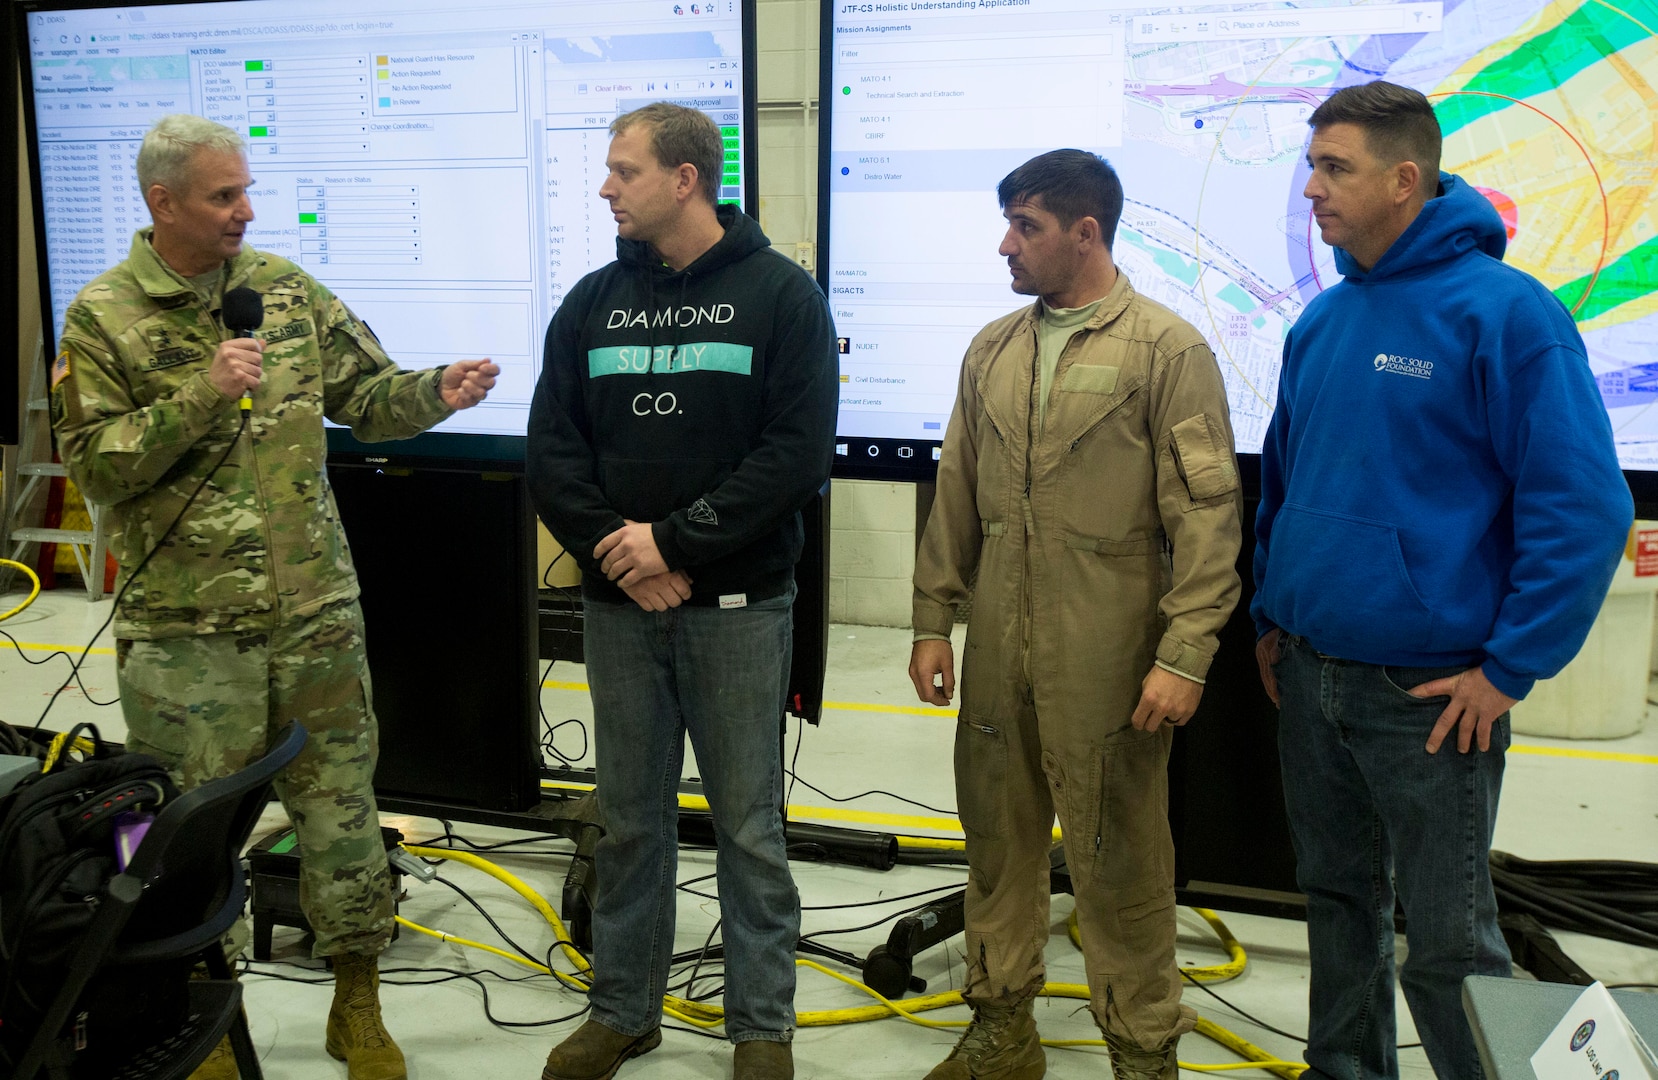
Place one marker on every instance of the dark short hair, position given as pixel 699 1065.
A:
pixel 681 136
pixel 1072 184
pixel 1398 123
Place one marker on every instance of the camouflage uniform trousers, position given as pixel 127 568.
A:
pixel 208 705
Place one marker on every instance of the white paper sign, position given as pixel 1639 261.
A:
pixel 1595 1041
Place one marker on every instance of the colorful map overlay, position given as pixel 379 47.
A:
pixel 1550 109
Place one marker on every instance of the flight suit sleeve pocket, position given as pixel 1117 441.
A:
pixel 1205 459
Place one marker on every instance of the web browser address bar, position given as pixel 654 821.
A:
pixel 1085 45
pixel 1290 22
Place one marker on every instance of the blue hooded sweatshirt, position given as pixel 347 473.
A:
pixel 1439 482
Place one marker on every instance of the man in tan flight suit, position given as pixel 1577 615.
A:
pixel 1087 476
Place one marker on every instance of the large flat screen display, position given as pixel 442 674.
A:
pixel 436 164
pixel 1550 109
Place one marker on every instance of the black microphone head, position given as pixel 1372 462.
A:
pixel 243 310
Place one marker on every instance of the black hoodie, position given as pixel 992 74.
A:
pixel 701 400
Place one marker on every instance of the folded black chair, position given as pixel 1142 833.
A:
pixel 183 890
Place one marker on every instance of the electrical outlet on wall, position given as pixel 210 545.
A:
pixel 805 253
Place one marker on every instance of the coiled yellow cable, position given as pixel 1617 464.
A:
pixel 703 1015
pixel 56 749
pixel 1215 972
pixel 34 592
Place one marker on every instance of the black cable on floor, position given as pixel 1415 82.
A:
pixel 691 982
pixel 75 671
pixel 1262 1024
pixel 794 776
pixel 464 895
pixel 862 794
pixel 387 976
pixel 866 926
pixel 459 842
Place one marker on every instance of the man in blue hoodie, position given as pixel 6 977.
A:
pixel 685 414
pixel 1441 513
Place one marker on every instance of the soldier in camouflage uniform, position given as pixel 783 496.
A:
pixel 240 607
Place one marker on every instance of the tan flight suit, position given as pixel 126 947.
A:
pixel 1104 544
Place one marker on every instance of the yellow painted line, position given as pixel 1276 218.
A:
pixel 72 650
pixel 833 706
pixel 875 817
pixel 906 710
pixel 1583 755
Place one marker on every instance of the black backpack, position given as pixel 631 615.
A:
pixel 57 852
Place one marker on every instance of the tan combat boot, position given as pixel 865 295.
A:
pixel 356 1034
pixel 595 1052
pixel 1130 1062
pixel 1000 1044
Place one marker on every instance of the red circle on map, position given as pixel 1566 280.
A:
pixel 1508 221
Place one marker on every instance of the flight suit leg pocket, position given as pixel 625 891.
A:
pixel 981 775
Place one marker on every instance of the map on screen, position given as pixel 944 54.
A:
pixel 1549 109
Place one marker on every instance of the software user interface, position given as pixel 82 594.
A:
pixel 434 164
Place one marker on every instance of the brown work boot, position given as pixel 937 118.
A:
pixel 1129 1062
pixel 356 1033
pixel 595 1052
pixel 762 1059
pixel 219 1065
pixel 1000 1044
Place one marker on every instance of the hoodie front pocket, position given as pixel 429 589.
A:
pixel 1342 582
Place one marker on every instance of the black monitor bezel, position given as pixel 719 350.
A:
pixel 11 75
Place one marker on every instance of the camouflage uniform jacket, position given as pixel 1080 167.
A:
pixel 139 425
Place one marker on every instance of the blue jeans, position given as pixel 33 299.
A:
pixel 720 675
pixel 1371 810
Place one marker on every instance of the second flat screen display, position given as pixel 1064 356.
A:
pixel 1203 111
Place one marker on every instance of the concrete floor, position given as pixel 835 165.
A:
pixel 1562 800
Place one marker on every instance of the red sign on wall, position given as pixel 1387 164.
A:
pixel 1646 553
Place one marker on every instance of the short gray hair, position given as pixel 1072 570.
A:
pixel 164 157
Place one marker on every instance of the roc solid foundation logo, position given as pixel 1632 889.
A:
pixel 1404 365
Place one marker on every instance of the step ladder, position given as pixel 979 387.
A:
pixel 28 473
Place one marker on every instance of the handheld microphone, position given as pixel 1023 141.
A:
pixel 243 313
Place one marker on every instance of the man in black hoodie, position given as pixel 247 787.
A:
pixel 685 414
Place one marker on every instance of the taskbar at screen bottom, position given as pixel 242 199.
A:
pixel 886 459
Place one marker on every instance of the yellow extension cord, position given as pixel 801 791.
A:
pixel 32 594
pixel 57 748
pixel 702 1015
pixel 709 1016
